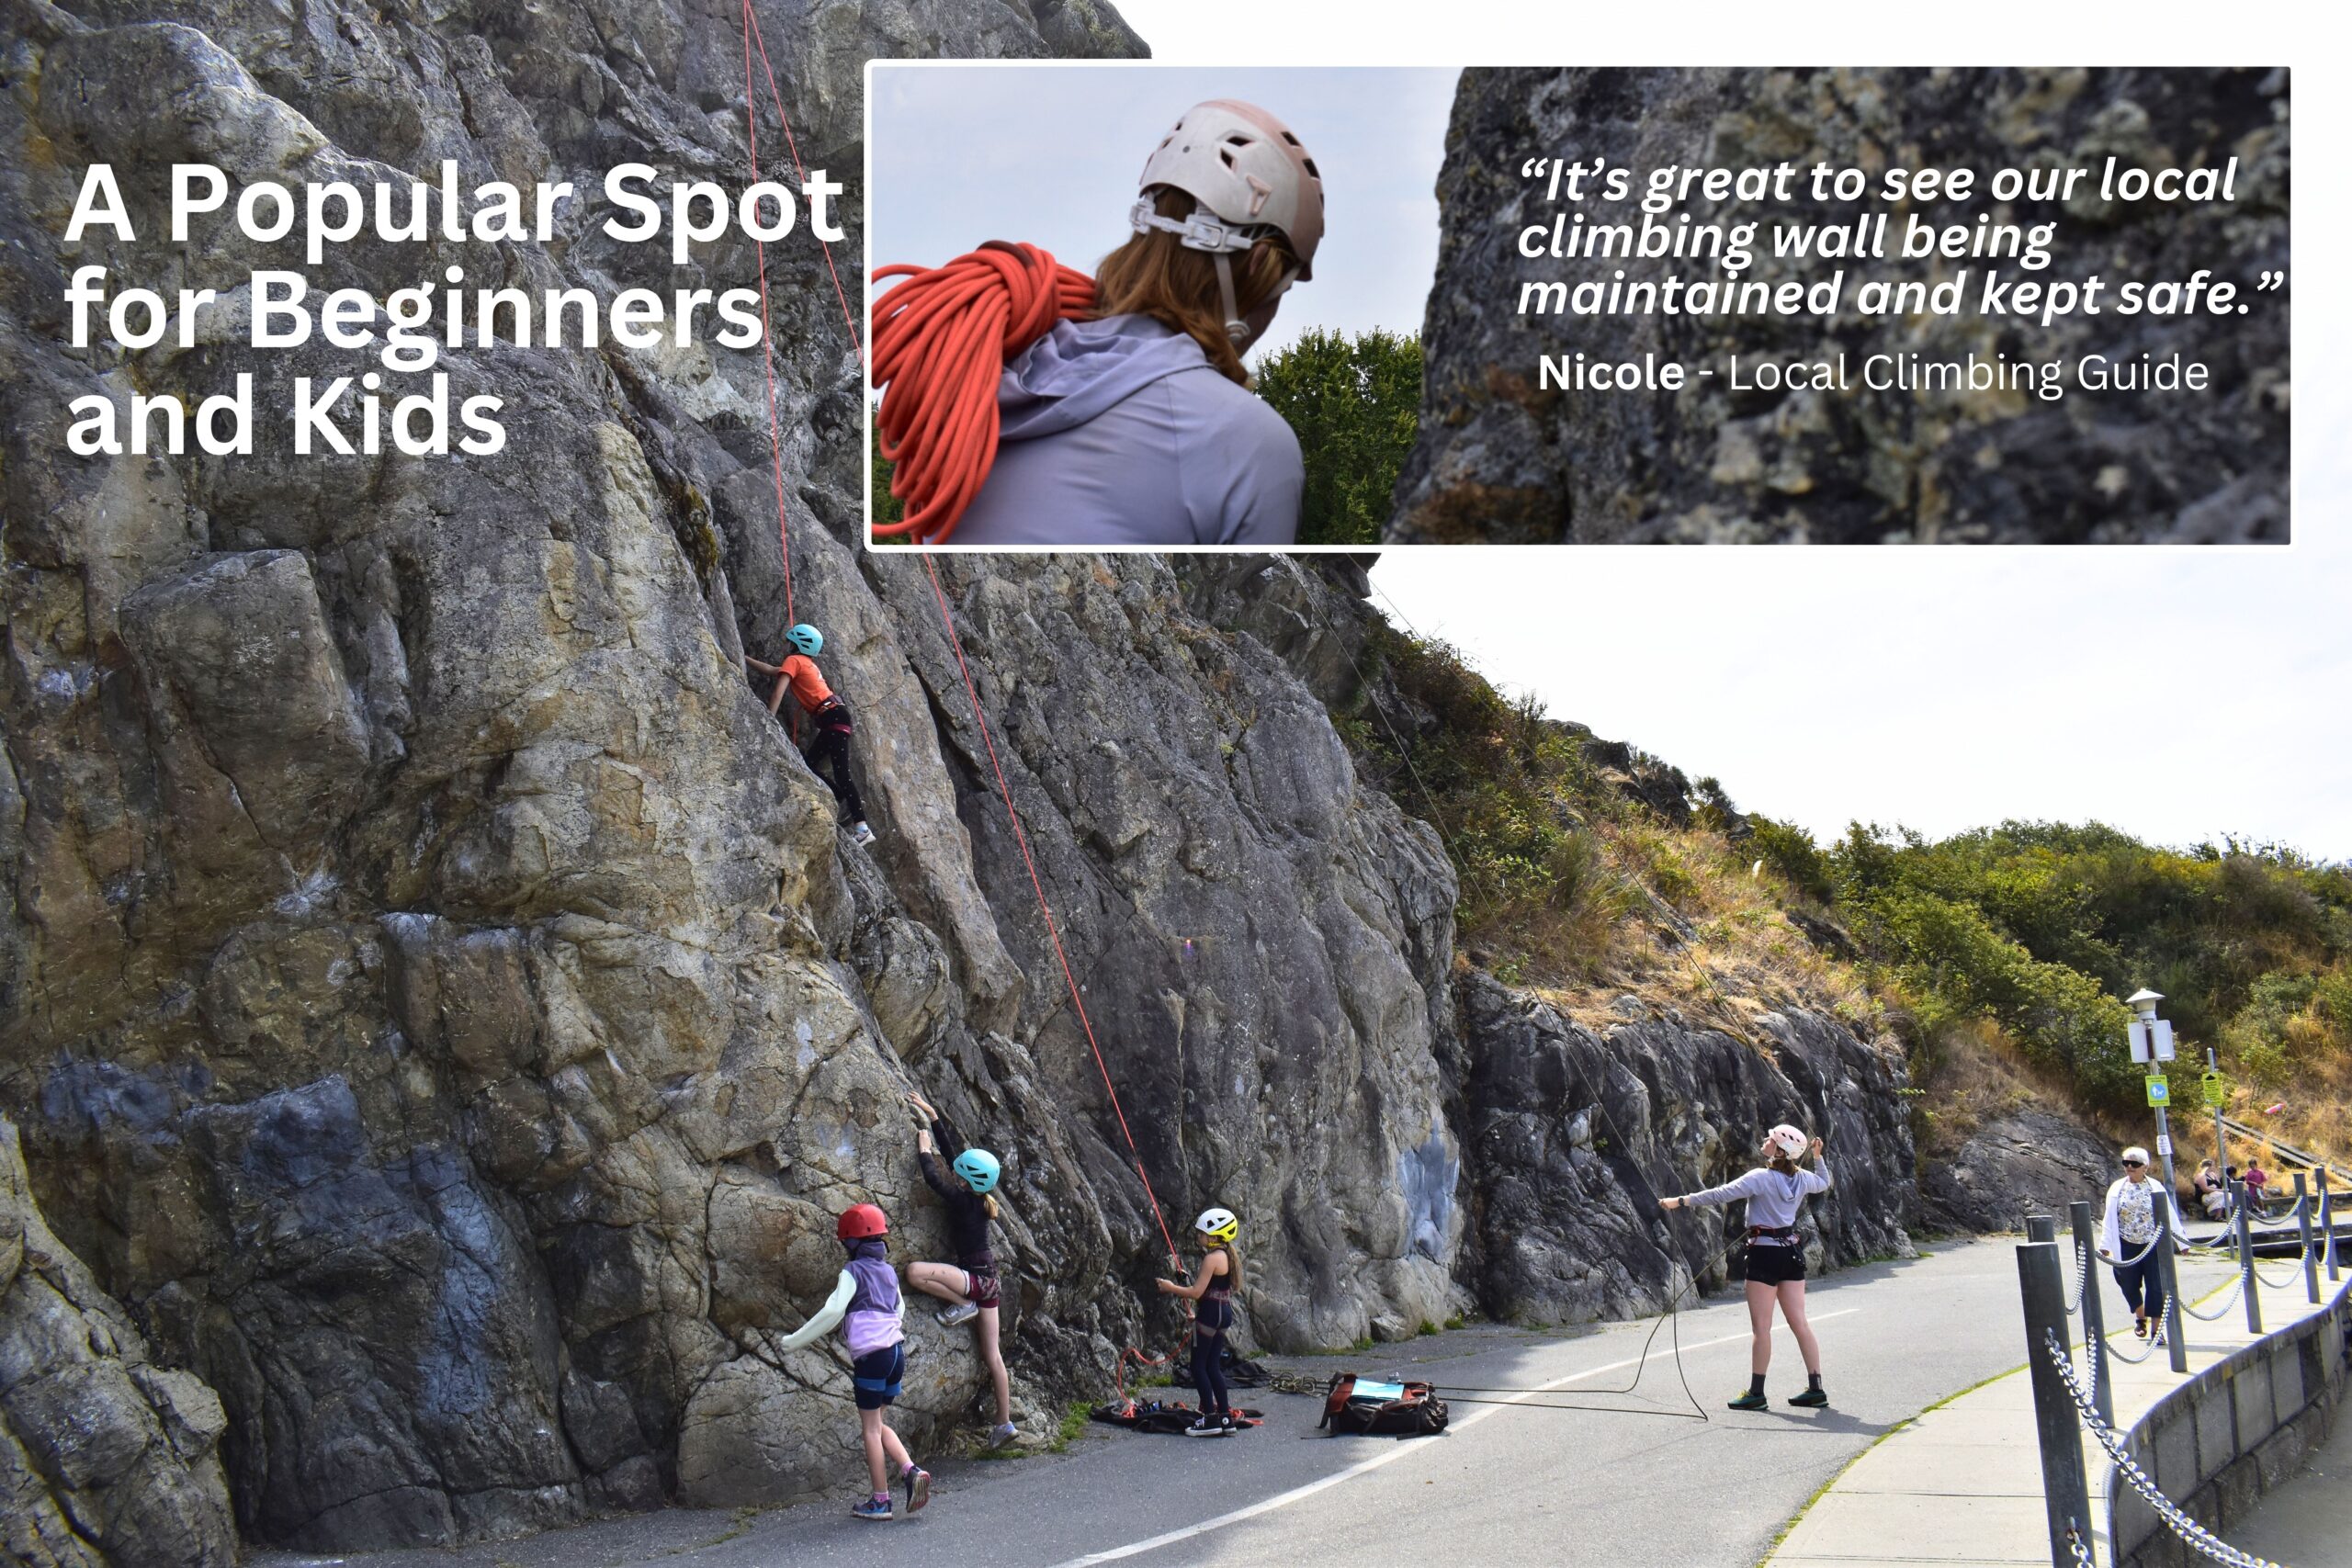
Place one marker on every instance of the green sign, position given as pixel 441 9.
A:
pixel 2217 1090
pixel 2159 1091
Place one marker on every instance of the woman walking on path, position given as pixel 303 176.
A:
pixel 2128 1241
pixel 969 1285
pixel 1775 1192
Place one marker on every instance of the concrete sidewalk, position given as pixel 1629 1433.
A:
pixel 1961 1483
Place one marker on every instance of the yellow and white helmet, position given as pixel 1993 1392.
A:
pixel 1220 1225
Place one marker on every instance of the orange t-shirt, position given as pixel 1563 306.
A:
pixel 808 688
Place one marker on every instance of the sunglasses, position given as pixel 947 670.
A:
pixel 2135 1165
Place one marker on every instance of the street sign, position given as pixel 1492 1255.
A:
pixel 2151 1040
pixel 2159 1091
pixel 2217 1090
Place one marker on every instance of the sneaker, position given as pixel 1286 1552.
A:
pixel 918 1488
pixel 874 1508
pixel 1749 1402
pixel 1002 1434
pixel 862 833
pixel 957 1316
pixel 1811 1399
pixel 1210 1427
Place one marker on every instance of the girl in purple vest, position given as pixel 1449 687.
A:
pixel 865 1303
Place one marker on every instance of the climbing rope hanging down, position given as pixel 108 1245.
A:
pixel 941 340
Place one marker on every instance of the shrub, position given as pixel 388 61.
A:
pixel 1355 406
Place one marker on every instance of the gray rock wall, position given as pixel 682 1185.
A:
pixel 1502 461
pixel 105 1456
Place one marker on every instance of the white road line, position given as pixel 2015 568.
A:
pixel 1298 1494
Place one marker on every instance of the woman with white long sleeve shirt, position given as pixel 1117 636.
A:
pixel 2128 1239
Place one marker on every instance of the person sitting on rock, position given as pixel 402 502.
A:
pixel 969 1285
pixel 1213 1285
pixel 865 1304
pixel 2212 1195
pixel 827 750
pixel 1775 1192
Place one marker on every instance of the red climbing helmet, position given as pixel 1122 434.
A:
pixel 860 1221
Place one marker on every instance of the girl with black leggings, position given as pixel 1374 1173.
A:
pixel 1212 1289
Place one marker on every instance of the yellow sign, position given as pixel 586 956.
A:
pixel 2217 1090
pixel 2159 1091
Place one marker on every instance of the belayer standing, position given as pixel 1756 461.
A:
pixel 1212 1289
pixel 865 1303
pixel 828 749
pixel 1775 1192
pixel 969 1285
pixel 2127 1240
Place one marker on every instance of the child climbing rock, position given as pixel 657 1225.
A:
pixel 1213 1285
pixel 865 1303
pixel 828 749
pixel 969 1284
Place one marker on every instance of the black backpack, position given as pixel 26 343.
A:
pixel 1382 1409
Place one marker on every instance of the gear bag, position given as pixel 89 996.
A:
pixel 1164 1416
pixel 1382 1409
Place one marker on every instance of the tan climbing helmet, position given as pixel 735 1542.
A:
pixel 1244 167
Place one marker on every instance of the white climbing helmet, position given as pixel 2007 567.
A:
pixel 1220 1225
pixel 1787 1140
pixel 1251 179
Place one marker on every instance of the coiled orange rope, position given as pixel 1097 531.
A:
pixel 941 340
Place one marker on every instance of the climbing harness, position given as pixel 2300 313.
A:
pixel 941 342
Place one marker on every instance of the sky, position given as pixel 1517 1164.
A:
pixel 1049 154
pixel 2177 693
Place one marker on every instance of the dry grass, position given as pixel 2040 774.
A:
pixel 1675 918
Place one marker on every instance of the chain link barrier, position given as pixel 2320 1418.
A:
pixel 2196 1537
pixel 2229 1296
pixel 2082 1279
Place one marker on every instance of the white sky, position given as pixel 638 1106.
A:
pixel 1049 154
pixel 2175 694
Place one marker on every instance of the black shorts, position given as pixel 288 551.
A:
pixel 1771 1264
pixel 875 1375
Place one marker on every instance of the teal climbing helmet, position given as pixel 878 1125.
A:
pixel 979 1168
pixel 806 639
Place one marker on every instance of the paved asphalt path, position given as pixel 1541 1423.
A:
pixel 1629 1484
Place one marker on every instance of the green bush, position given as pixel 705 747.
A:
pixel 1355 404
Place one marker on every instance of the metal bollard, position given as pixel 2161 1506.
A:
pixel 2065 1490
pixel 2041 1227
pixel 2094 1309
pixel 2176 1341
pixel 2303 1225
pixel 2327 1222
pixel 2245 1261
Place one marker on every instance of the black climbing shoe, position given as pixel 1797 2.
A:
pixel 1811 1399
pixel 1749 1402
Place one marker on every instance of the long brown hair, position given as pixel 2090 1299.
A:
pixel 1232 1263
pixel 1155 275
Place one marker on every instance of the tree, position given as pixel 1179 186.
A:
pixel 1355 404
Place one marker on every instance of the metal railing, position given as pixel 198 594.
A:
pixel 2067 1401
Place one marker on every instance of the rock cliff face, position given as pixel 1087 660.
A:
pixel 441 1010
pixel 1502 461
pixel 104 1457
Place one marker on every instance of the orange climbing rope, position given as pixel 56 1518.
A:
pixel 941 340
pixel 1069 977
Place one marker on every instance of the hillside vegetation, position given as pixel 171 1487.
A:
pixel 1997 957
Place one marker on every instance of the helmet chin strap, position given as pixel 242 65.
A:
pixel 1235 327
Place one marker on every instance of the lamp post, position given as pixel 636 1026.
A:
pixel 2151 1047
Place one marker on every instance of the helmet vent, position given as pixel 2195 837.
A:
pixel 1221 152
pixel 1312 170
pixel 1289 138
